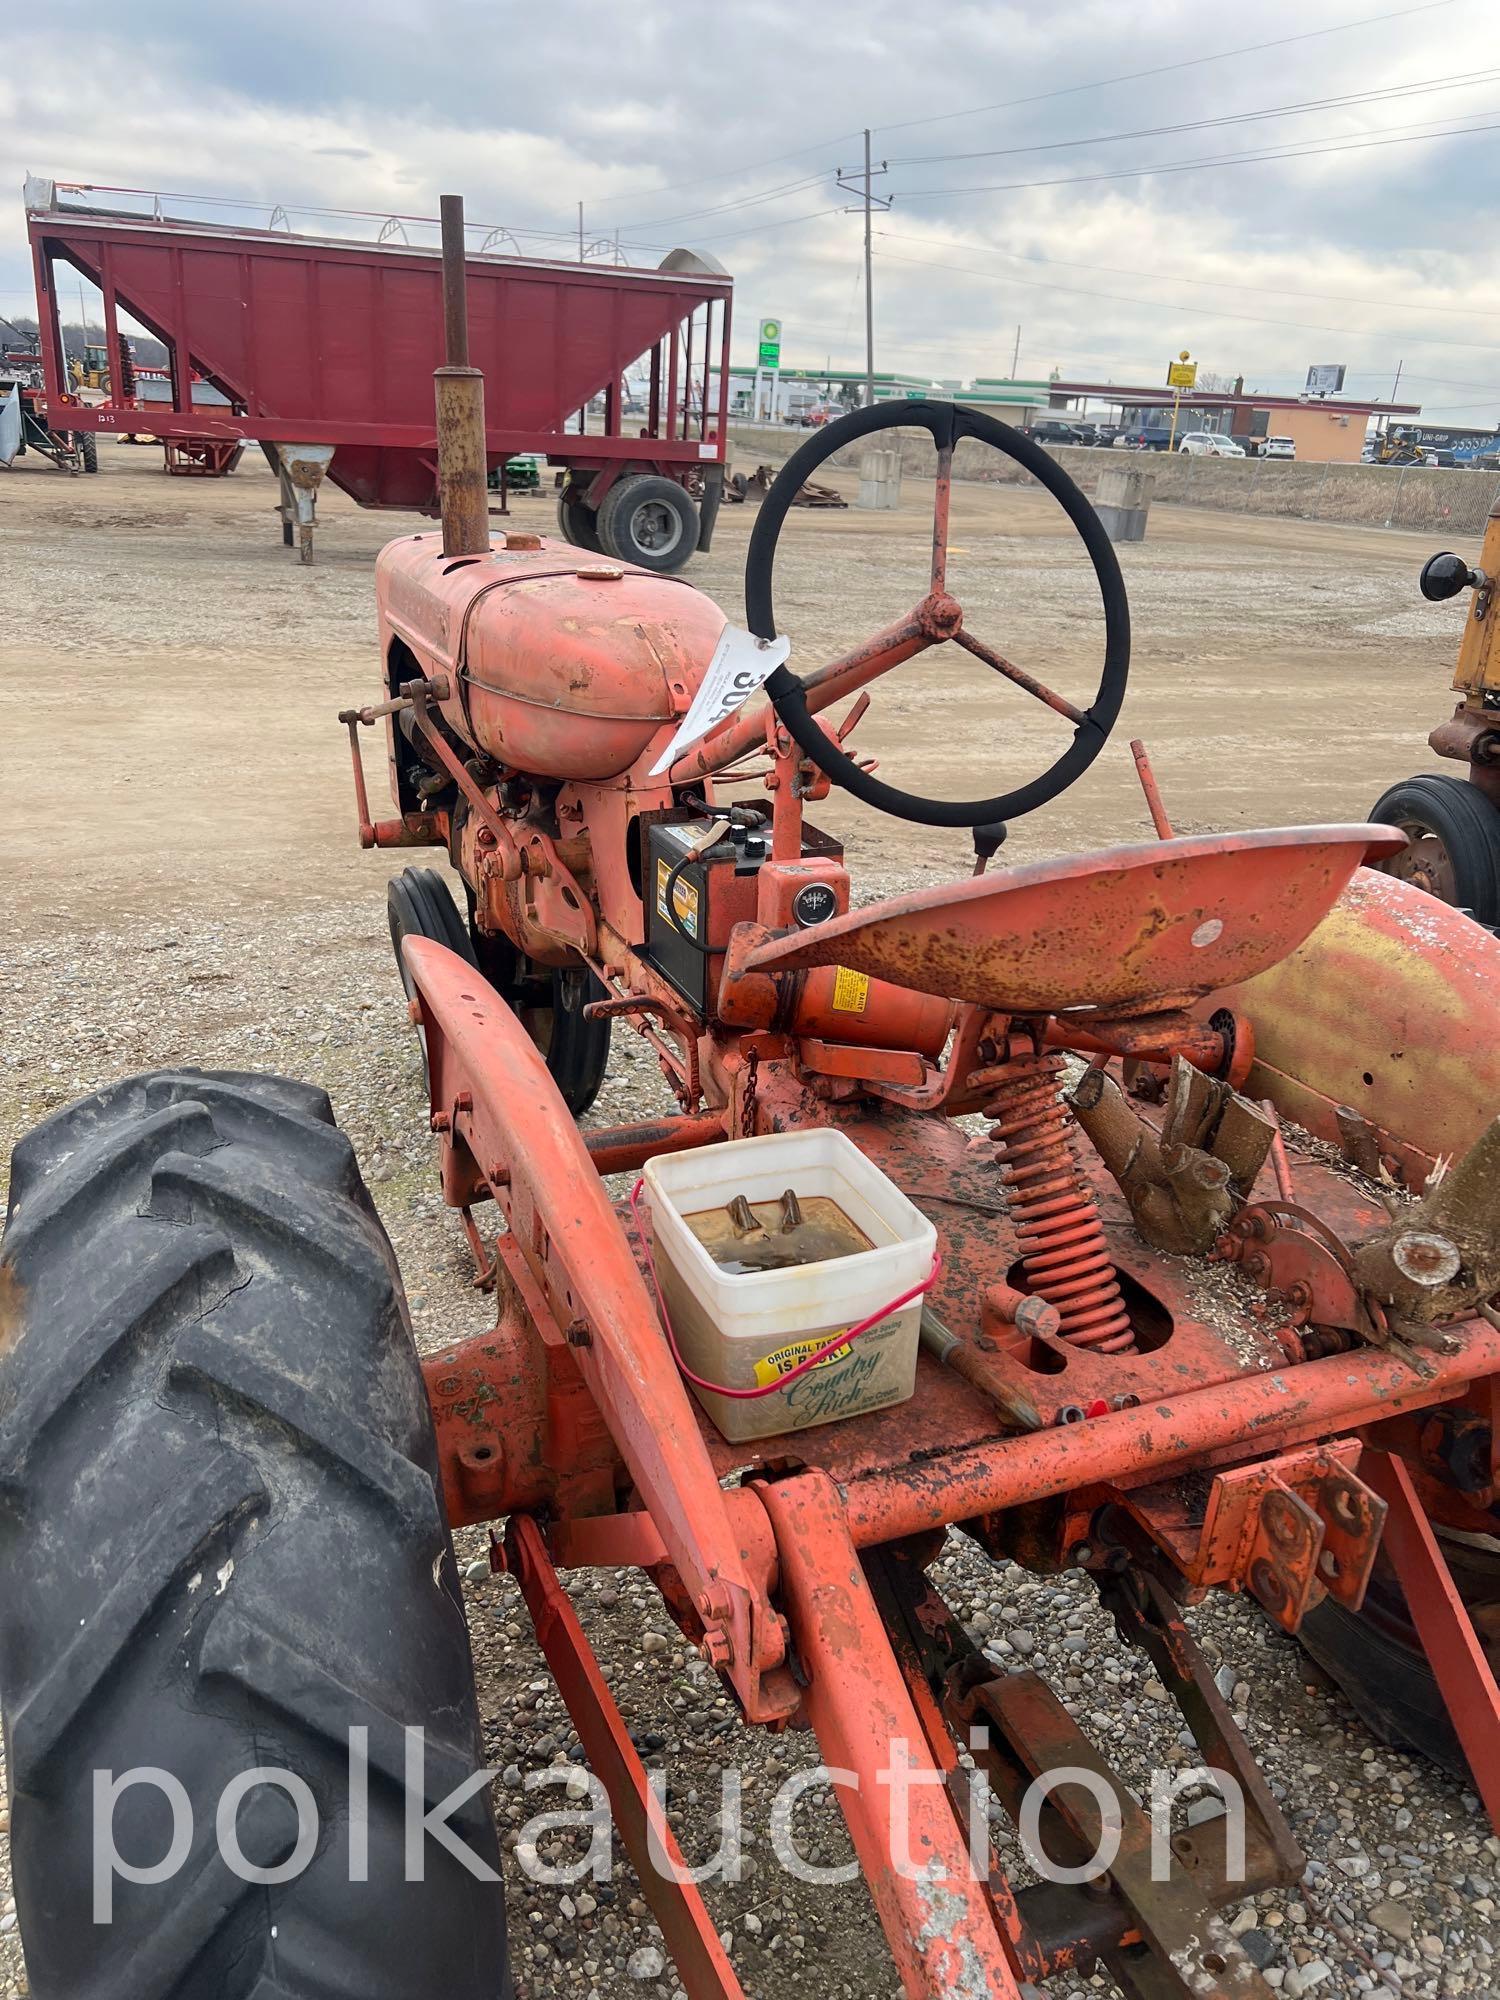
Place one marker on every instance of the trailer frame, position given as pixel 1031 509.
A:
pixel 202 289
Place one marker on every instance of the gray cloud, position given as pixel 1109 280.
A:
pixel 685 123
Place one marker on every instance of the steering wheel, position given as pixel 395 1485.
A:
pixel 939 616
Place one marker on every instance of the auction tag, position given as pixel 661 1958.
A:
pixel 741 665
pixel 771 1367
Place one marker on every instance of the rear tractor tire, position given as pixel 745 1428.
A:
pixel 222 1547
pixel 1376 1658
pixel 1454 833
pixel 549 999
pixel 650 521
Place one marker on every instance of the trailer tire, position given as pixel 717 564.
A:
pixel 577 523
pixel 88 450
pixel 222 1546
pixel 1455 836
pixel 650 521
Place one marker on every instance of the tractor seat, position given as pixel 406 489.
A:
pixel 1131 930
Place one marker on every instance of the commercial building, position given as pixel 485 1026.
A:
pixel 1330 429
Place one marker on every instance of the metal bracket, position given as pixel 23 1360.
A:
pixel 1291 1529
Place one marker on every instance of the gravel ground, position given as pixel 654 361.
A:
pixel 212 940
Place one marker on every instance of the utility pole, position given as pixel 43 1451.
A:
pixel 1015 359
pixel 1397 383
pixel 871 203
pixel 580 232
pixel 869 290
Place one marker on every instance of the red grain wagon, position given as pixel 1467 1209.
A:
pixel 324 348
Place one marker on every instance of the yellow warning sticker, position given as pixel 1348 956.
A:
pixel 771 1367
pixel 851 990
pixel 684 899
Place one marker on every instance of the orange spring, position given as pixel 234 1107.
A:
pixel 1063 1248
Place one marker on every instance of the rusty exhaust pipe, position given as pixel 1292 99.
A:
pixel 459 391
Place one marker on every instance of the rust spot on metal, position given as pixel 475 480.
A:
pixel 12 1295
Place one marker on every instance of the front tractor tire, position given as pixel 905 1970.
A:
pixel 549 1000
pixel 222 1547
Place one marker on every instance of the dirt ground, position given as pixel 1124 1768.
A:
pixel 183 884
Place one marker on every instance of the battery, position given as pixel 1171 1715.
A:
pixel 712 893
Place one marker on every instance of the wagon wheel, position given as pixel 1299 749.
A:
pixel 549 999
pixel 940 617
pixel 1377 1659
pixel 1454 842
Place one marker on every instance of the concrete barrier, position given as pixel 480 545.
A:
pixel 1122 497
pixel 880 480
pixel 1418 498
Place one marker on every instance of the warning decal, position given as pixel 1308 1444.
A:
pixel 851 990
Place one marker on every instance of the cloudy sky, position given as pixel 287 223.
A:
pixel 1269 184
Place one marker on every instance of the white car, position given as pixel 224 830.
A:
pixel 1209 444
pixel 1279 448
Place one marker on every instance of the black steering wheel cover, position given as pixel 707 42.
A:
pixel 946 423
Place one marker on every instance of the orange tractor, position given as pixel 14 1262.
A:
pixel 1452 825
pixel 229 1482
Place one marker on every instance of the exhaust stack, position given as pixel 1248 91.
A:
pixel 459 392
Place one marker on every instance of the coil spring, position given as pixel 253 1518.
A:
pixel 1063 1247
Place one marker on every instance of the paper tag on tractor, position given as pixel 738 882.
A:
pixel 741 665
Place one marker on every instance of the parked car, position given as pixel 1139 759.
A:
pixel 1052 430
pixel 1279 447
pixel 1147 437
pixel 1209 444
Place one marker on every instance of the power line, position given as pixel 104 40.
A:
pixel 740 201
pixel 747 167
pixel 1168 69
pixel 1468 80
pixel 723 236
pixel 1036 97
pixel 1400 136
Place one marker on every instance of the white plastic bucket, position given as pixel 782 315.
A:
pixel 746 1328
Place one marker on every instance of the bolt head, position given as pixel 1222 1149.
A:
pixel 716 1647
